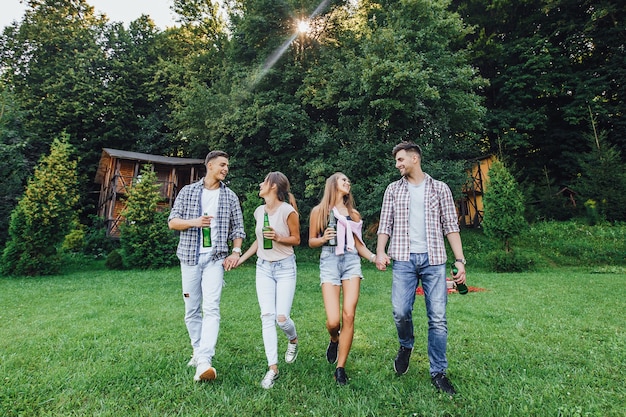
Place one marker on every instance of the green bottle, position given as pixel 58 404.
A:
pixel 461 288
pixel 332 224
pixel 206 235
pixel 267 243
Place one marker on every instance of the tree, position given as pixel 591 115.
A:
pixel 145 239
pixel 337 98
pixel 547 62
pixel 602 177
pixel 44 215
pixel 71 71
pixel 391 71
pixel 503 205
pixel 14 169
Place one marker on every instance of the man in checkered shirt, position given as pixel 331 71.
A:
pixel 206 203
pixel 417 212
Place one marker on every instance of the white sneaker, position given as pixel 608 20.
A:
pixel 268 380
pixel 192 362
pixel 205 372
pixel 292 352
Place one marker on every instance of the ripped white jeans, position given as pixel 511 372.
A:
pixel 275 288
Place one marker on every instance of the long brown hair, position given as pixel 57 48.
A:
pixel 283 187
pixel 322 210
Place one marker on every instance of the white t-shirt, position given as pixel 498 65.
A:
pixel 417 219
pixel 209 201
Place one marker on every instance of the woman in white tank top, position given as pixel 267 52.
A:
pixel 276 268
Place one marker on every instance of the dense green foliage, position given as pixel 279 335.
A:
pixel 464 78
pixel 550 64
pixel 145 239
pixel 605 179
pixel 44 215
pixel 14 169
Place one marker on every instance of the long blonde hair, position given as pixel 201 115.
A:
pixel 283 187
pixel 319 218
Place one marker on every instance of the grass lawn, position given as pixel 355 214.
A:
pixel 110 343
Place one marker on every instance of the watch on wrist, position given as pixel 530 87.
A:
pixel 237 250
pixel 462 260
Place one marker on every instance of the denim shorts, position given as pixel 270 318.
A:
pixel 336 268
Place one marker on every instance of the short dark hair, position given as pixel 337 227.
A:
pixel 407 146
pixel 214 154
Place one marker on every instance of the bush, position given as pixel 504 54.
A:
pixel 150 245
pixel 96 242
pixel 74 241
pixel 512 261
pixel 577 243
pixel 115 260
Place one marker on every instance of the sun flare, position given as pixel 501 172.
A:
pixel 304 26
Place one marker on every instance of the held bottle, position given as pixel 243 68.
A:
pixel 267 243
pixel 461 288
pixel 332 224
pixel 206 235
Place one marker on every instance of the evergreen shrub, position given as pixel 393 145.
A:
pixel 146 240
pixel 151 245
pixel 44 215
pixel 503 205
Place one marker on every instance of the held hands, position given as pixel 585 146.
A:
pixel 382 261
pixel 231 262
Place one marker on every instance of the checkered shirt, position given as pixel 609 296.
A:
pixel 441 218
pixel 229 221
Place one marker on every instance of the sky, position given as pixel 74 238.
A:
pixel 116 10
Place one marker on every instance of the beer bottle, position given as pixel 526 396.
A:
pixel 332 224
pixel 206 235
pixel 461 288
pixel 267 243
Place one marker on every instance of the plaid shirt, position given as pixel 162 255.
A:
pixel 441 218
pixel 229 221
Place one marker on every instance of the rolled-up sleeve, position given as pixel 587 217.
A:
pixel 385 225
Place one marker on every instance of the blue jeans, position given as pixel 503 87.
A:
pixel 406 277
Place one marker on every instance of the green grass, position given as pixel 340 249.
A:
pixel 103 343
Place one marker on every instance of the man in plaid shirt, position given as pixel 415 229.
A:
pixel 206 203
pixel 417 212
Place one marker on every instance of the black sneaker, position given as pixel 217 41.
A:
pixel 340 376
pixel 401 363
pixel 331 351
pixel 442 383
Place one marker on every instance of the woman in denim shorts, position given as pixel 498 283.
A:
pixel 340 266
pixel 276 268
